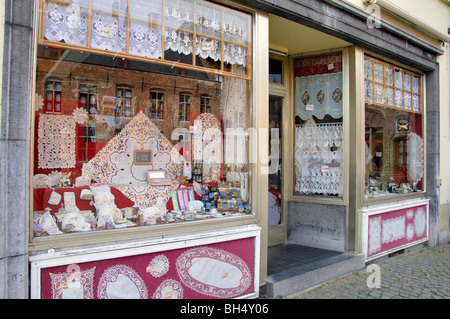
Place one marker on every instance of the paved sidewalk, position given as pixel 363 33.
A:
pixel 419 274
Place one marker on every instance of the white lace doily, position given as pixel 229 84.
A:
pixel 169 289
pixel 73 284
pixel 121 282
pixel 159 266
pixel 213 272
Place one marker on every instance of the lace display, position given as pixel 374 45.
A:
pixel 114 164
pixel 145 39
pixel 108 32
pixel 66 23
pixel 207 145
pixel 121 282
pixel 56 141
pixel 318 95
pixel 73 284
pixel 415 157
pixel 213 272
pixel 217 29
pixel 318 169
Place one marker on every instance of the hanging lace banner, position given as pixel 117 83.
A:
pixel 56 141
pixel 318 95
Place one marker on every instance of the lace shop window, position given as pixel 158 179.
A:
pixel 184 106
pixel 205 104
pixel 141 143
pixel 53 96
pixel 97 169
pixel 187 32
pixel 156 105
pixel 394 129
pixel 124 102
pixel 319 145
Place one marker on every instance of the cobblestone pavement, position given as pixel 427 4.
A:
pixel 419 274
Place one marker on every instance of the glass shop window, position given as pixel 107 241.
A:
pixel 318 165
pixel 156 105
pixel 53 96
pixel 394 130
pixel 142 144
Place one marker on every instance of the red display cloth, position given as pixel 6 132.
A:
pixel 41 196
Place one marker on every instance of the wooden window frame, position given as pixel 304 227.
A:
pixel 396 89
pixel 193 33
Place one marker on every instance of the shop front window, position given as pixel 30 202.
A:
pixel 319 145
pixel 113 152
pixel 394 130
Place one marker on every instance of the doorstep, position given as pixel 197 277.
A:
pixel 293 268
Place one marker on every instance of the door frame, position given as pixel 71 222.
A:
pixel 277 235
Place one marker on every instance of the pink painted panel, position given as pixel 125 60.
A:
pixel 220 270
pixel 389 230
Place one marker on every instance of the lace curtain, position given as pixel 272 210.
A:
pixel 69 24
pixel 318 95
pixel 318 169
pixel 66 23
pixel 415 157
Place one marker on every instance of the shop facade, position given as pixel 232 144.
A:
pixel 164 148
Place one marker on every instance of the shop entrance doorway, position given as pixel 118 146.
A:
pixel 276 218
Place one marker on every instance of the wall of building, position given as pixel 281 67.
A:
pixel 15 148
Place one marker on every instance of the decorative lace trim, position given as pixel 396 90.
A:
pixel 318 169
pixel 73 285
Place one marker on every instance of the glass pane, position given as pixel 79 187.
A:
pixel 416 82
pixel 378 72
pixel 180 14
pixel 110 6
pixel 389 96
pixel 407 80
pixel 368 74
pixel 368 90
pixel 389 75
pixel 407 100
pixel 416 103
pixel 399 98
pixel 398 79
pixel 275 71
pixel 149 10
pixel 379 93
pixel 209 19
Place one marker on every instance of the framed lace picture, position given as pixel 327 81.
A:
pixel 143 157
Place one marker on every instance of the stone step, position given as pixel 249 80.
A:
pixel 301 277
